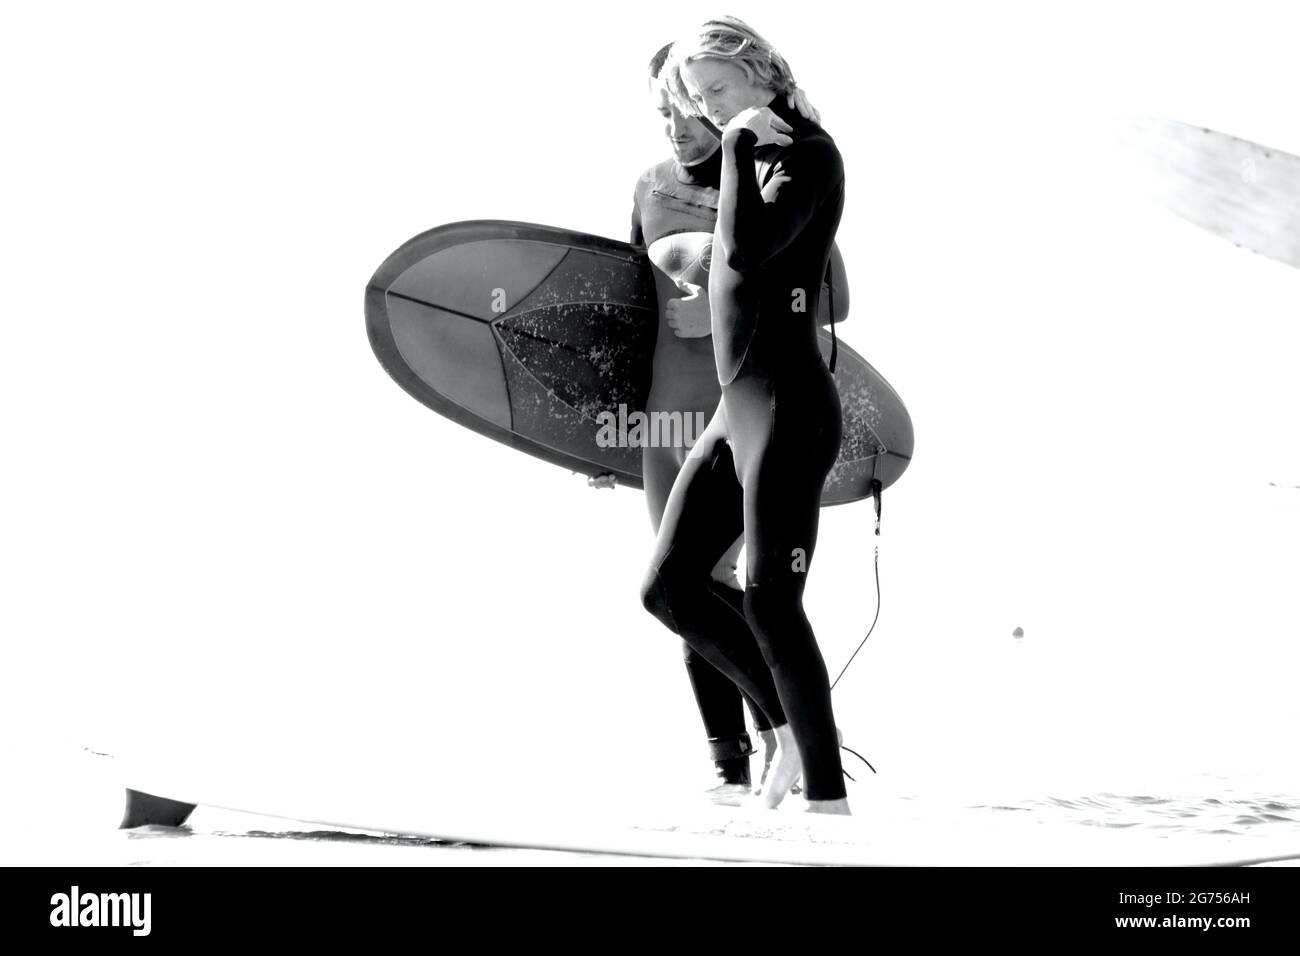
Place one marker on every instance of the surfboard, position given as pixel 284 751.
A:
pixel 527 333
pixel 663 825
pixel 1238 190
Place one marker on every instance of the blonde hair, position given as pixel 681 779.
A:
pixel 733 40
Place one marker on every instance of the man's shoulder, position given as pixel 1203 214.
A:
pixel 661 172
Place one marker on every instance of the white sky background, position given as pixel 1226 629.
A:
pixel 227 527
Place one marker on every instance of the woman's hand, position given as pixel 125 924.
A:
pixel 688 316
pixel 797 99
pixel 770 129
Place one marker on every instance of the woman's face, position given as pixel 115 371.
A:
pixel 721 89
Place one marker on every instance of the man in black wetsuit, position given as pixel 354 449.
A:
pixel 674 213
pixel 674 210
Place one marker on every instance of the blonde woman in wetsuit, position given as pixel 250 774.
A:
pixel 675 209
pixel 761 463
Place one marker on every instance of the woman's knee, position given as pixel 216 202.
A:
pixel 775 615
pixel 654 597
pixel 669 592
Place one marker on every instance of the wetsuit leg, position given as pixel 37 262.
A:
pixel 736 599
pixel 703 517
pixel 719 700
pixel 786 434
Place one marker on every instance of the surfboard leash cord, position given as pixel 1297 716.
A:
pixel 877 492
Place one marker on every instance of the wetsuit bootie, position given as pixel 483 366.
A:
pixel 731 760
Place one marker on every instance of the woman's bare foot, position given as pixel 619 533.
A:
pixel 768 737
pixel 839 807
pixel 786 768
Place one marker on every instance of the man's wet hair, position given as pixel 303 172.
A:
pixel 658 60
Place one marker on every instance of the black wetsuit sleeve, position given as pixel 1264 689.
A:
pixel 754 225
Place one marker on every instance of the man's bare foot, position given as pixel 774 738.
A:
pixel 786 768
pixel 728 794
pixel 839 807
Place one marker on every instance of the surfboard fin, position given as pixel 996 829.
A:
pixel 147 809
